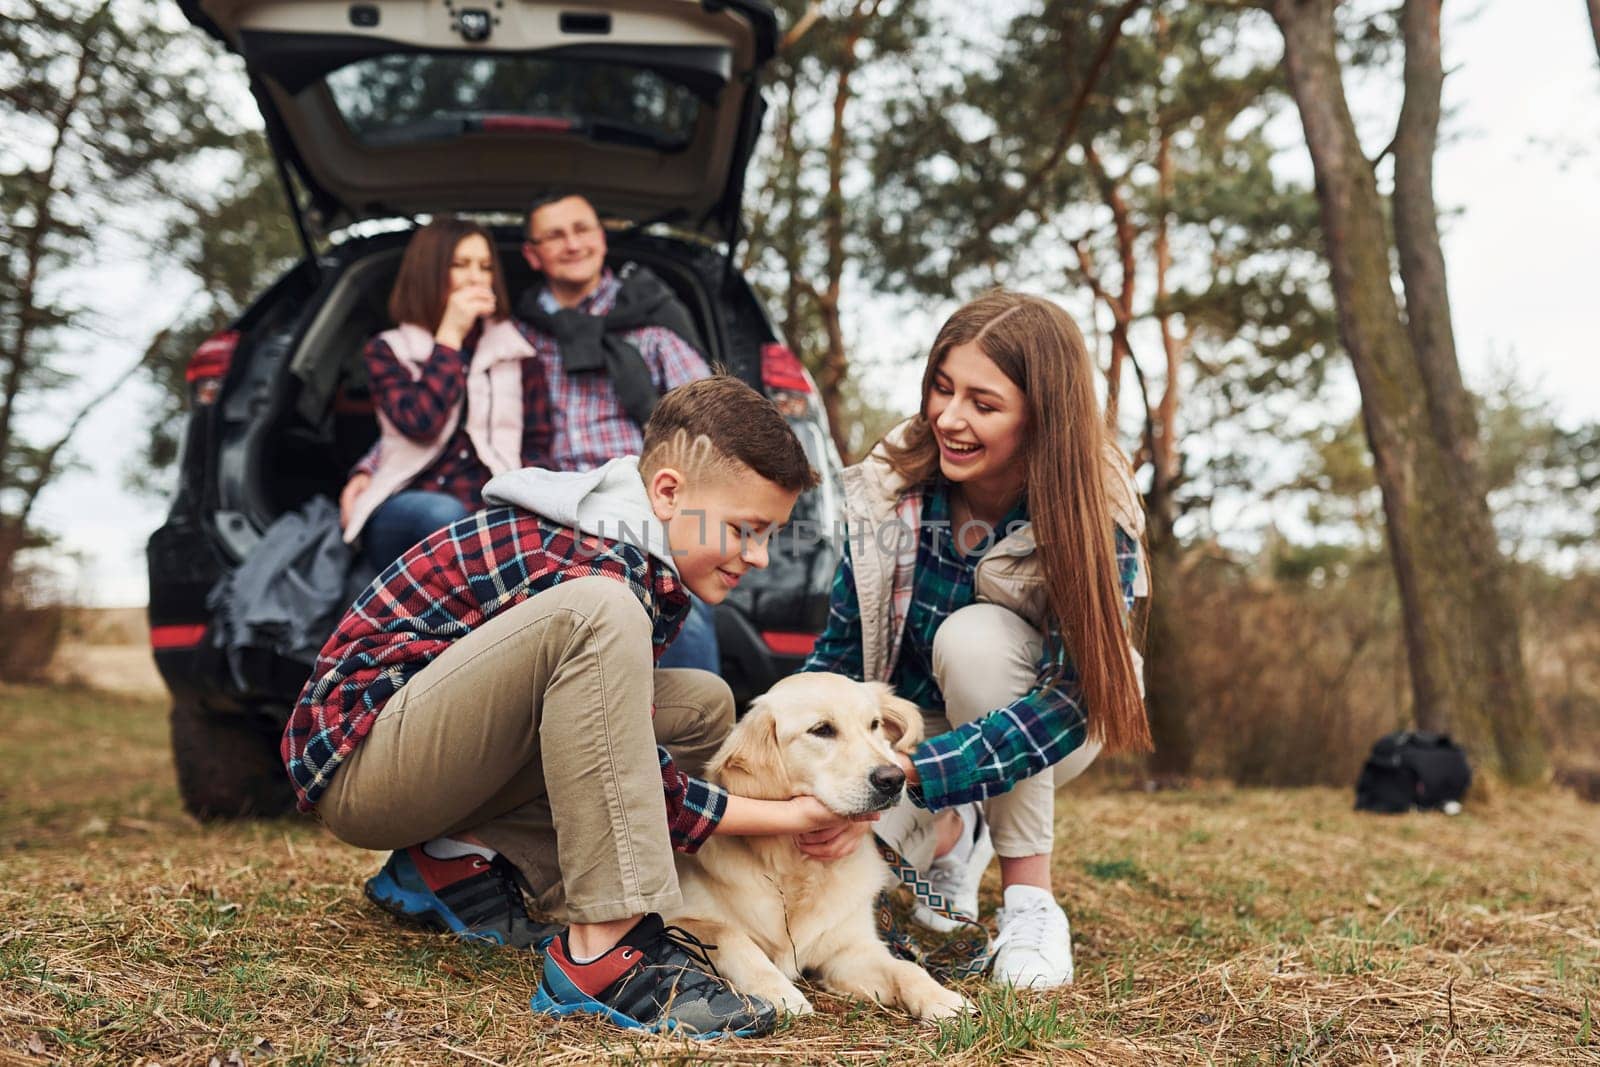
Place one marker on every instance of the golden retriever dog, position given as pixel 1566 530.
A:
pixel 772 913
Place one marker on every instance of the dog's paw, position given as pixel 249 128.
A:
pixel 788 1001
pixel 796 1004
pixel 947 1005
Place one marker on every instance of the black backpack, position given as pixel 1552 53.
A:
pixel 1410 770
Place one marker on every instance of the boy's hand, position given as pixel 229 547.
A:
pixel 811 815
pixel 834 843
pixel 788 818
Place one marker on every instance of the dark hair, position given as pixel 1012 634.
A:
pixel 720 423
pixel 422 288
pixel 545 199
pixel 1070 460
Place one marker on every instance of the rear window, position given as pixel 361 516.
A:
pixel 397 99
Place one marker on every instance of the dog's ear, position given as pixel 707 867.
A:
pixel 902 720
pixel 749 762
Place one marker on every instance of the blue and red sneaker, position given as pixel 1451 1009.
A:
pixel 658 978
pixel 475 898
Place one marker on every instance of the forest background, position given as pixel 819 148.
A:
pixel 1155 167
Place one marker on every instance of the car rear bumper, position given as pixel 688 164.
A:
pixel 184 567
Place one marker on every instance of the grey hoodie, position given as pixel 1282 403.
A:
pixel 608 502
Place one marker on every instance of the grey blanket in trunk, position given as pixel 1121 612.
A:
pixel 291 590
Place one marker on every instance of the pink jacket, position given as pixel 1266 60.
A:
pixel 494 385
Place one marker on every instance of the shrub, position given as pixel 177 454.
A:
pixel 28 640
pixel 1294 672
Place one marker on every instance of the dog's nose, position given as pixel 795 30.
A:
pixel 887 778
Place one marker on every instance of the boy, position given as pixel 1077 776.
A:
pixel 492 695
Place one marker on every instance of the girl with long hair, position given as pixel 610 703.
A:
pixel 459 393
pixel 993 557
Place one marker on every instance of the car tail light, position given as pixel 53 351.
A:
pixel 781 369
pixel 209 364
pixel 789 644
pixel 183 635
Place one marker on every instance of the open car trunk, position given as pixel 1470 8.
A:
pixel 297 413
pixel 316 388
pixel 398 107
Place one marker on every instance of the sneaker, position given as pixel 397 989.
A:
pixel 658 978
pixel 1034 947
pixel 475 898
pixel 956 874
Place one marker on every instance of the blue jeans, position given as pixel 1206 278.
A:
pixel 404 519
pixel 696 643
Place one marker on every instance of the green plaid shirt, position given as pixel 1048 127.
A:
pixel 990 755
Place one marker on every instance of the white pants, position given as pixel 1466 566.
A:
pixel 985 657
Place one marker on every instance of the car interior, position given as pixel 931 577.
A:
pixel 322 420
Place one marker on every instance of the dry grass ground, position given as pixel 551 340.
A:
pixel 1212 926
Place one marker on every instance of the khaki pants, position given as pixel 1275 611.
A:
pixel 984 657
pixel 534 732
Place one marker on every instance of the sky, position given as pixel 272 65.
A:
pixel 1518 175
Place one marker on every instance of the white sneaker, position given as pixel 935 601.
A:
pixel 956 874
pixel 1034 948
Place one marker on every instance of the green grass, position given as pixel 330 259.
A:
pixel 1211 926
pixel 1005 1024
pixel 1113 870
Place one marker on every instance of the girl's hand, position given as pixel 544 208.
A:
pixel 461 311
pixel 912 777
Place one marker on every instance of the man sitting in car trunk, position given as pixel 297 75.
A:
pixel 611 344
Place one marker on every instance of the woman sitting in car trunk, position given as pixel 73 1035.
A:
pixel 459 392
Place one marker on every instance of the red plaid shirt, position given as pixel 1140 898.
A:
pixel 446 586
pixel 418 408
pixel 589 424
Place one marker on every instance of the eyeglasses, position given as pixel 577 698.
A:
pixel 578 233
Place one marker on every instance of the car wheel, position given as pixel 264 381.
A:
pixel 228 764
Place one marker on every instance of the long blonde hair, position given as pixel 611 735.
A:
pixel 1038 346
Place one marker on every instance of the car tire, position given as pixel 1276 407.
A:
pixel 228 764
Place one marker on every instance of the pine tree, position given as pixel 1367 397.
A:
pixel 99 106
pixel 807 242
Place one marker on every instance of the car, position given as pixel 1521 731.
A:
pixel 650 108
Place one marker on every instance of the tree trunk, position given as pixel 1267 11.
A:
pixel 1461 640
pixel 1123 303
pixel 1168 698
pixel 835 368
pixel 1167 695
pixel 1485 597
pixel 836 360
pixel 1594 23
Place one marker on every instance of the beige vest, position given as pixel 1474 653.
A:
pixel 493 403
pixel 1007 575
